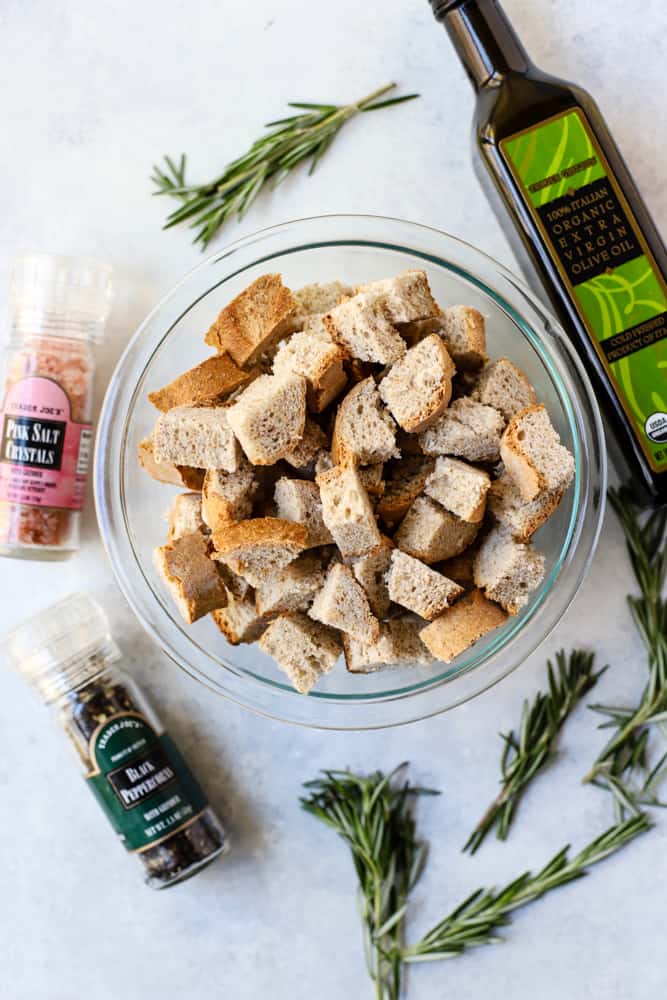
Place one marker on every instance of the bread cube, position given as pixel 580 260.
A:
pixel 347 511
pixel 190 575
pixel 467 429
pixel 418 387
pixel 370 571
pixel 533 454
pixel 360 325
pixel 254 321
pixel 406 298
pixel 303 649
pixel 269 417
pixel 463 332
pixel 503 385
pixel 206 384
pixel 459 488
pixel 430 533
pixel 417 587
pixel 167 472
pixel 185 516
pixel 460 626
pixel 292 588
pixel 299 500
pixel 258 547
pixel 521 517
pixel 507 571
pixel 227 496
pixel 364 433
pixel 239 622
pixel 398 645
pixel 197 436
pixel 342 604
pixel 313 354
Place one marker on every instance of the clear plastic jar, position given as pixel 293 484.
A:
pixel 60 305
pixel 131 765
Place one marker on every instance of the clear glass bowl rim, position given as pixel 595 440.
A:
pixel 513 647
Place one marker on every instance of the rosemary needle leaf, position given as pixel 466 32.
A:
pixel 473 922
pixel 625 756
pixel 289 142
pixel 389 103
pixel 525 754
pixel 314 107
pixel 373 815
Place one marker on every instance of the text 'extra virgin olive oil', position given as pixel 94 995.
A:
pixel 558 172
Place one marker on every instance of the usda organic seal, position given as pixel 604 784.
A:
pixel 656 426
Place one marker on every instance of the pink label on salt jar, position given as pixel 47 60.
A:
pixel 43 454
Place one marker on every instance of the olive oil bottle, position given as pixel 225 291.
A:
pixel 550 161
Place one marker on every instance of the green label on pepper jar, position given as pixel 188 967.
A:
pixel 141 781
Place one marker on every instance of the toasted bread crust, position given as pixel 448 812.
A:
pixel 520 466
pixel 239 621
pixel 254 321
pixel 471 354
pixel 208 383
pixel 165 472
pixel 218 511
pixel 524 525
pixel 457 628
pixel 192 578
pixel 400 493
pixel 259 531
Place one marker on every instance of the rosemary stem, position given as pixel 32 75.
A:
pixel 636 722
pixel 625 756
pixel 373 96
pixel 304 135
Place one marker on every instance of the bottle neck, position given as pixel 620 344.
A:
pixel 484 39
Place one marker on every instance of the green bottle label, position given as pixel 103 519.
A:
pixel 141 781
pixel 602 256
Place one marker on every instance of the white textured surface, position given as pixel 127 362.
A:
pixel 93 94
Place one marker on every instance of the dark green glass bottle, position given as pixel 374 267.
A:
pixel 549 162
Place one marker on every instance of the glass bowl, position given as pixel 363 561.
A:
pixel 354 249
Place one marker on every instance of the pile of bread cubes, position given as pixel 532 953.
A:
pixel 361 478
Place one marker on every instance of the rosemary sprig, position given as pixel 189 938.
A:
pixel 374 816
pixel 270 158
pixel 625 755
pixel 527 751
pixel 476 920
